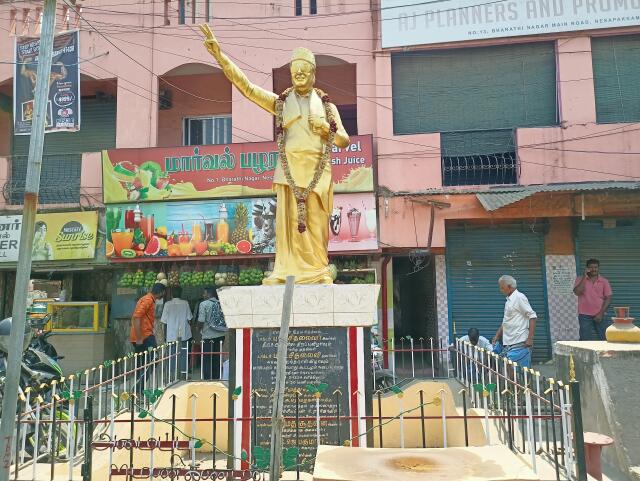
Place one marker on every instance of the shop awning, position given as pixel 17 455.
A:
pixel 494 200
pixel 495 197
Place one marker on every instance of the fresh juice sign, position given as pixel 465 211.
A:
pixel 227 227
pixel 219 171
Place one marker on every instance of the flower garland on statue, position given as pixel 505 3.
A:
pixel 301 194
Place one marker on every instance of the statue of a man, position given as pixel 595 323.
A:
pixel 307 127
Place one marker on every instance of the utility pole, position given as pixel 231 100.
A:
pixel 277 418
pixel 23 270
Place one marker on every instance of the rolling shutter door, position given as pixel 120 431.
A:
pixel 476 258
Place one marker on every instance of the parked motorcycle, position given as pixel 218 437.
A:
pixel 37 370
pixel 40 340
pixel 383 377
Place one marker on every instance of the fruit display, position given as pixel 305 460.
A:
pixel 241 219
pixel 228 248
pixel 126 280
pixel 165 229
pixel 220 279
pixel 186 279
pixel 153 247
pixel 138 279
pixel 209 278
pixel 232 278
pixel 174 278
pixel 149 279
pixel 251 277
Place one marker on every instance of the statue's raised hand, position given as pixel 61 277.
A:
pixel 210 42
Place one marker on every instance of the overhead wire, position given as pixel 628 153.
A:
pixel 256 135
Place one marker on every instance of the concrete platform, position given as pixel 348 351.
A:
pixel 609 379
pixel 488 463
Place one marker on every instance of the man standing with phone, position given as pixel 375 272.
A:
pixel 594 297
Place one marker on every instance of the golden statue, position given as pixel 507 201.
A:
pixel 307 127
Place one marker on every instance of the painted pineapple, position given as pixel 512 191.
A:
pixel 241 219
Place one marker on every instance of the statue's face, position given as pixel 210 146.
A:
pixel 302 75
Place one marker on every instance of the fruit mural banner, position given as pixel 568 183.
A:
pixel 219 171
pixel 226 227
pixel 61 236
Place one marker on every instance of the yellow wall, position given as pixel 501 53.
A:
pixel 433 427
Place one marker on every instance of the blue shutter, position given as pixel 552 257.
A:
pixel 476 257
pixel 618 250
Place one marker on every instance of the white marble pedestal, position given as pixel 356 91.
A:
pixel 329 343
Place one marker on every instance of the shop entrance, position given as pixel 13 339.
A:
pixel 414 314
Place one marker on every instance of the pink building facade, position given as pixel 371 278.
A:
pixel 148 58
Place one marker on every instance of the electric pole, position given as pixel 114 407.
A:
pixel 23 270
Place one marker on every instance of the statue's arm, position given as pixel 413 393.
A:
pixel 258 95
pixel 255 93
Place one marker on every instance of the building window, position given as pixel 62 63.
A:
pixel 313 7
pixel 298 8
pixel 207 130
pixel 616 74
pixel 195 11
pixel 478 158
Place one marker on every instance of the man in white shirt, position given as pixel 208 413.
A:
pixel 176 315
pixel 473 336
pixel 475 339
pixel 518 324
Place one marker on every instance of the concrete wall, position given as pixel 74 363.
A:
pixel 609 381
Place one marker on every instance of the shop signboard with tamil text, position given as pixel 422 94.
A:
pixel 222 227
pixel 63 102
pixel 58 236
pixel 416 22
pixel 219 171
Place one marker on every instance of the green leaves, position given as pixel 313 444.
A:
pixel 152 395
pixel 236 393
pixel 244 455
pixel 143 414
pixel 289 458
pixel 107 363
pixel 485 390
pixel 320 388
pixel 396 390
pixel 261 457
pixel 198 444
pixel 66 395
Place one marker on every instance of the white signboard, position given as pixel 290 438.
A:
pixel 562 279
pixel 416 22
pixel 10 227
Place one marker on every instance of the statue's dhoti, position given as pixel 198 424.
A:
pixel 301 255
